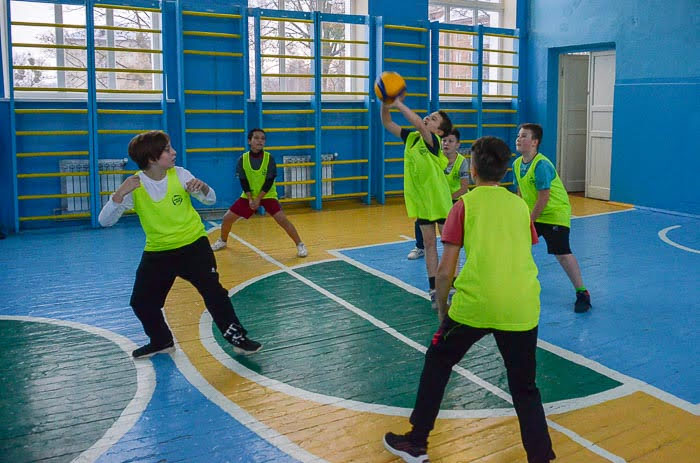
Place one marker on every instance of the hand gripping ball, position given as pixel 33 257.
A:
pixel 388 86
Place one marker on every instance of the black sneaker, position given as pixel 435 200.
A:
pixel 149 350
pixel 240 342
pixel 401 446
pixel 583 302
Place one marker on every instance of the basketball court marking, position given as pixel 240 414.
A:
pixel 460 370
pixel 630 384
pixel 210 343
pixel 192 375
pixel 145 385
pixel 601 213
pixel 663 234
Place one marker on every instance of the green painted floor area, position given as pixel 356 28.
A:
pixel 315 344
pixel 63 388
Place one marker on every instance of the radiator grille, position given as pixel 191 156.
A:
pixel 292 174
pixel 81 183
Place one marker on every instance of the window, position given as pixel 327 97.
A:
pixel 459 48
pixel 286 49
pixel 49 52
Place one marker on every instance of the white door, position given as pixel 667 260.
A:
pixel 573 104
pixel 601 91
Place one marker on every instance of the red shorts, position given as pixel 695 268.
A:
pixel 242 207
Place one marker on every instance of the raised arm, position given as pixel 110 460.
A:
pixel 415 119
pixel 391 126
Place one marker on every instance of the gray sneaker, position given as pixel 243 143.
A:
pixel 416 253
pixel 218 245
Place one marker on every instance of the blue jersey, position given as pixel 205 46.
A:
pixel 544 174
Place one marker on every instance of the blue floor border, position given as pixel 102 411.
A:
pixel 645 294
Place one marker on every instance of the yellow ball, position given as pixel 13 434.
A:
pixel 388 86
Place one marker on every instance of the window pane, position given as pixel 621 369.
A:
pixel 329 6
pixel 31 59
pixel 436 13
pixel 325 6
pixel 130 39
pixel 464 16
pixel 333 31
pixel 270 4
pixel 489 18
pixel 290 56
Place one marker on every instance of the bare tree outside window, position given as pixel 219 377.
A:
pixel 301 44
pixel 488 13
pixel 67 42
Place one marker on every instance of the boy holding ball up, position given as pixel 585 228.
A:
pixel 426 190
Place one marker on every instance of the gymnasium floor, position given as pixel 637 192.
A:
pixel 344 332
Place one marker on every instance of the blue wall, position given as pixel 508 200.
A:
pixel 217 168
pixel 656 94
pixel 657 89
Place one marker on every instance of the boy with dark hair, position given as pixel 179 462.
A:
pixel 497 293
pixel 426 190
pixel 543 191
pixel 257 171
pixel 457 172
pixel 176 243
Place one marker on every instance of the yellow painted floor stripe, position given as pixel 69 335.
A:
pixel 637 427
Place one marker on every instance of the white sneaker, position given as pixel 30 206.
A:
pixel 301 250
pixel 218 245
pixel 416 253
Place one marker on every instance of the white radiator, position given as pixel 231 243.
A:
pixel 292 174
pixel 81 183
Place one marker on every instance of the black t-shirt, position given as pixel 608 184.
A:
pixel 436 143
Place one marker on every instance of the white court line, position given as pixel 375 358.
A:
pixel 215 396
pixel 602 213
pixel 205 334
pixel 663 234
pixel 630 384
pixel 145 385
pixel 622 378
pixel 462 371
pixel 400 283
pixel 205 330
pixel 213 347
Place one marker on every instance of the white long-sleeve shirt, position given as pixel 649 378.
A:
pixel 156 189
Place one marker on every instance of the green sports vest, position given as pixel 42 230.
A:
pixel 558 209
pixel 425 188
pixel 256 178
pixel 453 177
pixel 498 286
pixel 170 223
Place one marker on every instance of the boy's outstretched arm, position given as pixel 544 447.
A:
pixel 391 126
pixel 414 119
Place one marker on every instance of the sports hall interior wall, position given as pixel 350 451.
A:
pixel 657 89
pixel 655 99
